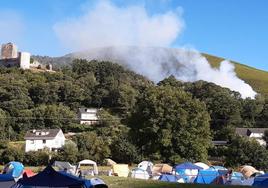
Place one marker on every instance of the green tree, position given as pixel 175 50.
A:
pixel 36 158
pixel 91 146
pixel 12 153
pixel 243 151
pixel 109 126
pixel 4 126
pixel 169 122
pixel 69 152
pixel 53 116
pixel 223 105
pixel 123 151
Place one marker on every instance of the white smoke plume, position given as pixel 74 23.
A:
pixel 132 35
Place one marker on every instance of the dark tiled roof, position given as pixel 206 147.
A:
pixel 84 110
pixel 219 142
pixel 37 134
pixel 248 131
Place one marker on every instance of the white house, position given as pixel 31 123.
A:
pixel 88 115
pixel 252 133
pixel 36 140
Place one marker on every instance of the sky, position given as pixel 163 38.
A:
pixel 232 29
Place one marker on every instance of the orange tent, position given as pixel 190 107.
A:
pixel 28 172
pixel 161 168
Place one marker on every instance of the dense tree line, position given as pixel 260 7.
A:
pixel 171 121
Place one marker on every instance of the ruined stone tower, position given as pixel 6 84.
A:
pixel 9 51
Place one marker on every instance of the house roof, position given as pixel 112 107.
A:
pixel 248 131
pixel 41 134
pixel 219 142
pixel 88 110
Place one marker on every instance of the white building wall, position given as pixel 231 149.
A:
pixel 25 60
pixel 35 145
pixel 89 116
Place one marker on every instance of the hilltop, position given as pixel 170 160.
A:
pixel 257 79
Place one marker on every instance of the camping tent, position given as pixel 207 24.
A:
pixel 202 165
pixel 261 181
pixel 62 165
pixel 218 168
pixel 87 162
pixel 139 173
pixel 206 176
pixel 6 180
pixel 147 166
pixel 110 162
pixel 159 169
pixel 15 169
pixel 248 171
pixel 120 170
pixel 187 165
pixel 49 178
pixel 28 172
pixel 169 178
pixel 188 171
pixel 12 171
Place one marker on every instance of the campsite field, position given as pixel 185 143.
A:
pixel 118 182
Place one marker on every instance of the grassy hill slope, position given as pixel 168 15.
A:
pixel 258 79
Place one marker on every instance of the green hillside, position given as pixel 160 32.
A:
pixel 258 79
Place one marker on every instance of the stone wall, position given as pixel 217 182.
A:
pixel 9 51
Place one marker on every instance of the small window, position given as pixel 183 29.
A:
pixel 44 141
pixel 32 141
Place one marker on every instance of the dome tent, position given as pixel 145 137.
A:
pixel 202 165
pixel 188 171
pixel 49 178
pixel 13 168
pixel 11 173
pixel 139 173
pixel 147 166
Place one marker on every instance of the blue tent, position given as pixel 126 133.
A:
pixel 181 168
pixel 237 176
pixel 206 176
pixel 218 168
pixel 15 169
pixel 6 180
pixel 168 178
pixel 187 165
pixel 261 181
pixel 51 178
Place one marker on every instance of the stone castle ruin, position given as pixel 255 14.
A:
pixel 9 51
pixel 10 57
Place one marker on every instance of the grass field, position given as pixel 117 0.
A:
pixel 258 79
pixel 118 182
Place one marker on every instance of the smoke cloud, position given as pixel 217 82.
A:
pixel 132 37
pixel 108 25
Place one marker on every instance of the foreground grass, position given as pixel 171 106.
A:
pixel 118 182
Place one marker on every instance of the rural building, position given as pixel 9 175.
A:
pixel 88 115
pixel 256 133
pixel 53 139
pixel 10 57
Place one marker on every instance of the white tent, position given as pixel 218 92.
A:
pixel 62 165
pixel 88 163
pixel 146 166
pixel 140 174
pixel 202 165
